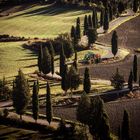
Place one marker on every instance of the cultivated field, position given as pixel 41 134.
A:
pixel 40 21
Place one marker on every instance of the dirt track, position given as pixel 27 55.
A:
pixel 129 37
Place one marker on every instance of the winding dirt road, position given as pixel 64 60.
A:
pixel 129 37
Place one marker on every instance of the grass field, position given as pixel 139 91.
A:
pixel 41 21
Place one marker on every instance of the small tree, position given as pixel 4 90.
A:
pixel 130 81
pixel 48 104
pixel 35 106
pixel 73 78
pixel 94 18
pixel 135 68
pixel 114 43
pixel 117 80
pixel 78 29
pixel 87 83
pixel 52 64
pixel 83 109
pixel 51 49
pixel 73 32
pixel 21 94
pixel 46 62
pixel 62 60
pixel 125 130
pixel 92 36
pixel 102 17
pixel 40 59
pixel 65 83
pixel 90 25
pixel 135 5
pixel 106 20
pixel 85 25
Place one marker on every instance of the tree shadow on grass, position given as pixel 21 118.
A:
pixel 50 10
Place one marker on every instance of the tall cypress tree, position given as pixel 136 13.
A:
pixel 52 64
pixel 90 24
pixel 114 43
pixel 135 68
pixel 65 79
pixel 139 80
pixel 73 32
pixel 40 58
pixel 135 6
pixel 85 25
pixel 130 81
pixel 102 17
pixel 92 36
pixel 46 61
pixel 125 131
pixel 51 49
pixel 48 104
pixel 62 60
pixel 94 19
pixel 110 12
pixel 87 83
pixel 106 20
pixel 35 106
pixel 21 94
pixel 78 29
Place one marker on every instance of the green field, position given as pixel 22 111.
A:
pixel 41 21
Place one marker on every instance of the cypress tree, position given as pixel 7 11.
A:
pixel 130 81
pixel 73 32
pixel 110 12
pixel 135 5
pixel 65 79
pixel 139 80
pixel 102 17
pixel 125 131
pixel 87 83
pixel 62 60
pixel 83 109
pixel 35 106
pixel 78 29
pixel 46 61
pixel 73 78
pixel 135 68
pixel 48 104
pixel 114 43
pixel 85 25
pixel 106 20
pixel 40 58
pixel 51 49
pixel 90 25
pixel 21 94
pixel 38 85
pixel 94 19
pixel 52 64
pixel 92 36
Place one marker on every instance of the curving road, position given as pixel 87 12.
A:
pixel 129 37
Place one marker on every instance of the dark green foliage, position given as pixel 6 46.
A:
pixel 94 18
pixel 85 24
pixel 40 59
pixel 78 29
pixel 90 25
pixel 125 130
pixel 48 104
pixel 35 105
pixel 121 7
pixel 86 83
pixel 74 78
pixel 135 68
pixel 52 65
pixel 139 80
pixel 117 80
pixel 68 48
pixel 73 32
pixel 46 62
pixel 51 49
pixel 106 20
pixel 65 83
pixel 130 81
pixel 21 93
pixel 110 12
pixel 83 109
pixel 135 5
pixel 92 36
pixel 62 61
pixel 114 43
pixel 5 92
pixel 99 122
pixel 102 17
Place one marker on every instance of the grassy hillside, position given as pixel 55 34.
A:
pixel 40 21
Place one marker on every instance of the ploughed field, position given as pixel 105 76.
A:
pixel 129 37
